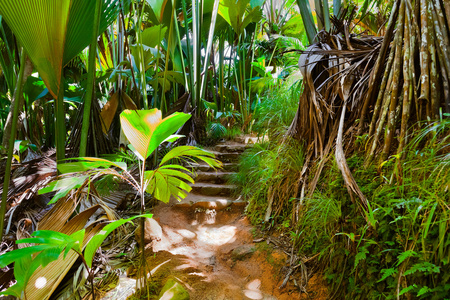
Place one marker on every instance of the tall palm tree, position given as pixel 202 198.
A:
pixel 52 33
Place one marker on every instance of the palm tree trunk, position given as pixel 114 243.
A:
pixel 60 129
pixel 12 136
pixel 90 81
pixel 7 131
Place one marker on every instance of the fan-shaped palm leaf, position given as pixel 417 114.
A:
pixel 53 32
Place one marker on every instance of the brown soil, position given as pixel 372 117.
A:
pixel 207 244
pixel 199 245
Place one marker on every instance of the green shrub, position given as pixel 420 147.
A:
pixel 407 250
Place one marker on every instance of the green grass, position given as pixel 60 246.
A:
pixel 408 247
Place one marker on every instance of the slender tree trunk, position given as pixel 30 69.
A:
pixel 12 134
pixel 60 128
pixel 408 70
pixel 7 131
pixel 90 90
pixel 375 78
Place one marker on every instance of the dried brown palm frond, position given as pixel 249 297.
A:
pixel 359 85
pixel 336 71
pixel 27 178
pixel 58 219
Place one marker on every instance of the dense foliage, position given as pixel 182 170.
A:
pixel 351 100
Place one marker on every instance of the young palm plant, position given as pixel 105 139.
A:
pixel 146 130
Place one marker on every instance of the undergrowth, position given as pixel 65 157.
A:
pixel 276 110
pixel 403 254
pixel 269 172
pixel 406 253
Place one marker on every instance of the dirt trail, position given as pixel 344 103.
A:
pixel 209 241
pixel 206 243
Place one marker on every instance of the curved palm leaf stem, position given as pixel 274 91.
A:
pixel 143 82
pixel 60 128
pixel 197 12
pixel 209 47
pixel 142 224
pixel 12 137
pixel 251 67
pixel 123 44
pixel 90 80
pixel 241 83
pixel 166 66
pixel 221 74
pixel 341 161
pixel 7 69
pixel 189 87
pixel 230 62
pixel 177 32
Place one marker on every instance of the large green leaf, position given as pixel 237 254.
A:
pixel 240 13
pixel 98 238
pixel 308 20
pixel 89 163
pixel 167 181
pixel 192 153
pixel 152 36
pixel 160 11
pixel 146 129
pixel 28 259
pixel 171 180
pixel 22 271
pixel 63 186
pixel 55 31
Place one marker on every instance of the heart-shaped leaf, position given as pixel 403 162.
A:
pixel 146 129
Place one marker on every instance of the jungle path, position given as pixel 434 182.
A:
pixel 210 241
pixel 206 243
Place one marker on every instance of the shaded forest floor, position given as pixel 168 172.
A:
pixel 207 244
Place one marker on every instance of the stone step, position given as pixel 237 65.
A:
pixel 205 202
pixel 211 189
pixel 246 139
pixel 210 209
pixel 213 177
pixel 226 157
pixel 202 167
pixel 223 148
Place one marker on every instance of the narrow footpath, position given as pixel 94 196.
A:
pixel 204 245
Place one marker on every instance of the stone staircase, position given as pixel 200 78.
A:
pixel 211 189
pixel 204 243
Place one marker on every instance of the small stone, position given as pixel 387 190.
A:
pixel 254 295
pixel 173 290
pixel 153 231
pixel 254 285
pixel 242 252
